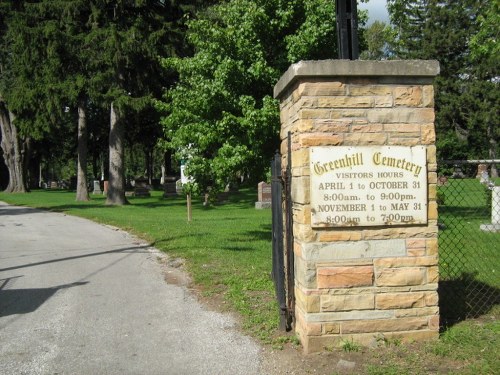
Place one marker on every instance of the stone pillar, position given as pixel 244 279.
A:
pixel 363 161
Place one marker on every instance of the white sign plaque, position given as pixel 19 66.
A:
pixel 368 186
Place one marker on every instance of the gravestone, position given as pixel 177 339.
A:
pixel 495 212
pixel 141 187
pixel 363 197
pixel 105 187
pixel 481 169
pixel 169 187
pixel 263 195
pixel 97 187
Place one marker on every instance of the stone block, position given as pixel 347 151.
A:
pixel 428 134
pixel 314 114
pixel 434 322
pixel 346 102
pixel 424 311
pixel 303 232
pixel 305 275
pixel 367 128
pixel 347 302
pixel 354 315
pixel 408 96
pixel 355 139
pixel 433 274
pixel 405 262
pixel 428 96
pixel 401 115
pixel 331 236
pixel 300 158
pixel 379 90
pixel 301 190
pixel 331 328
pixel 309 303
pixel 383 101
pixel 335 126
pixel 384 325
pixel 432 211
pixel 400 276
pixel 344 277
pixel 431 298
pixel 387 301
pixel 321 89
pixel 328 252
pixel 432 246
pixel 320 139
pixel 403 128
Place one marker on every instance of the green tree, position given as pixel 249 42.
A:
pixel 221 118
pixel 466 91
pixel 379 41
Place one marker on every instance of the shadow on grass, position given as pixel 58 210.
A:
pixel 465 297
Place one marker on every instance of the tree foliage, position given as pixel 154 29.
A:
pixel 221 117
pixel 460 35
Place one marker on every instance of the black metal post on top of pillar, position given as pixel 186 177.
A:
pixel 347 29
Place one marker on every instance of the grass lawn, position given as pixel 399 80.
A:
pixel 227 251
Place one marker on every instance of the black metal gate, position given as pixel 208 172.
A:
pixel 283 260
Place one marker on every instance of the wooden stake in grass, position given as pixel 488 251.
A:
pixel 189 208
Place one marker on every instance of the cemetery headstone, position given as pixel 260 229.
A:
pixel 495 211
pixel 481 170
pixel 141 187
pixel 97 187
pixel 263 195
pixel 169 187
pixel 105 189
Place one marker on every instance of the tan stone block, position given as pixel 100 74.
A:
pixel 412 243
pixel 384 325
pixel 304 126
pixel 432 177
pixel 300 190
pixel 305 277
pixel 434 322
pixel 300 158
pixel 321 89
pixel 431 154
pixel 432 191
pixel 405 262
pixel 304 233
pixel 400 276
pixel 403 128
pixel 432 274
pixel 401 141
pixel 355 139
pixel 302 214
pixel 381 90
pixel 416 252
pixel 351 113
pixel 320 139
pixel 428 96
pixel 428 134
pixel 330 236
pixel 314 114
pixel 432 246
pixel 313 329
pixel 335 126
pixel 331 328
pixel 424 311
pixel 297 249
pixel 408 96
pixel 367 128
pixel 388 301
pixel 431 298
pixel 344 277
pixel 347 302
pixel 346 102
pixel 401 115
pixel 316 344
pixel 383 101
pixel 399 232
pixel 432 211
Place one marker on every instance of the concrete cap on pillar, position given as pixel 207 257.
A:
pixel 356 68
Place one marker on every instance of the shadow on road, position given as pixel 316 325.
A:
pixel 23 301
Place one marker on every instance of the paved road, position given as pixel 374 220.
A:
pixel 81 298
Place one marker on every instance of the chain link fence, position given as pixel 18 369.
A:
pixel 469 239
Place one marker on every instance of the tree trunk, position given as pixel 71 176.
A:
pixel 116 185
pixel 12 153
pixel 492 149
pixel 82 193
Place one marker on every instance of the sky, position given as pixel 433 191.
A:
pixel 377 10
